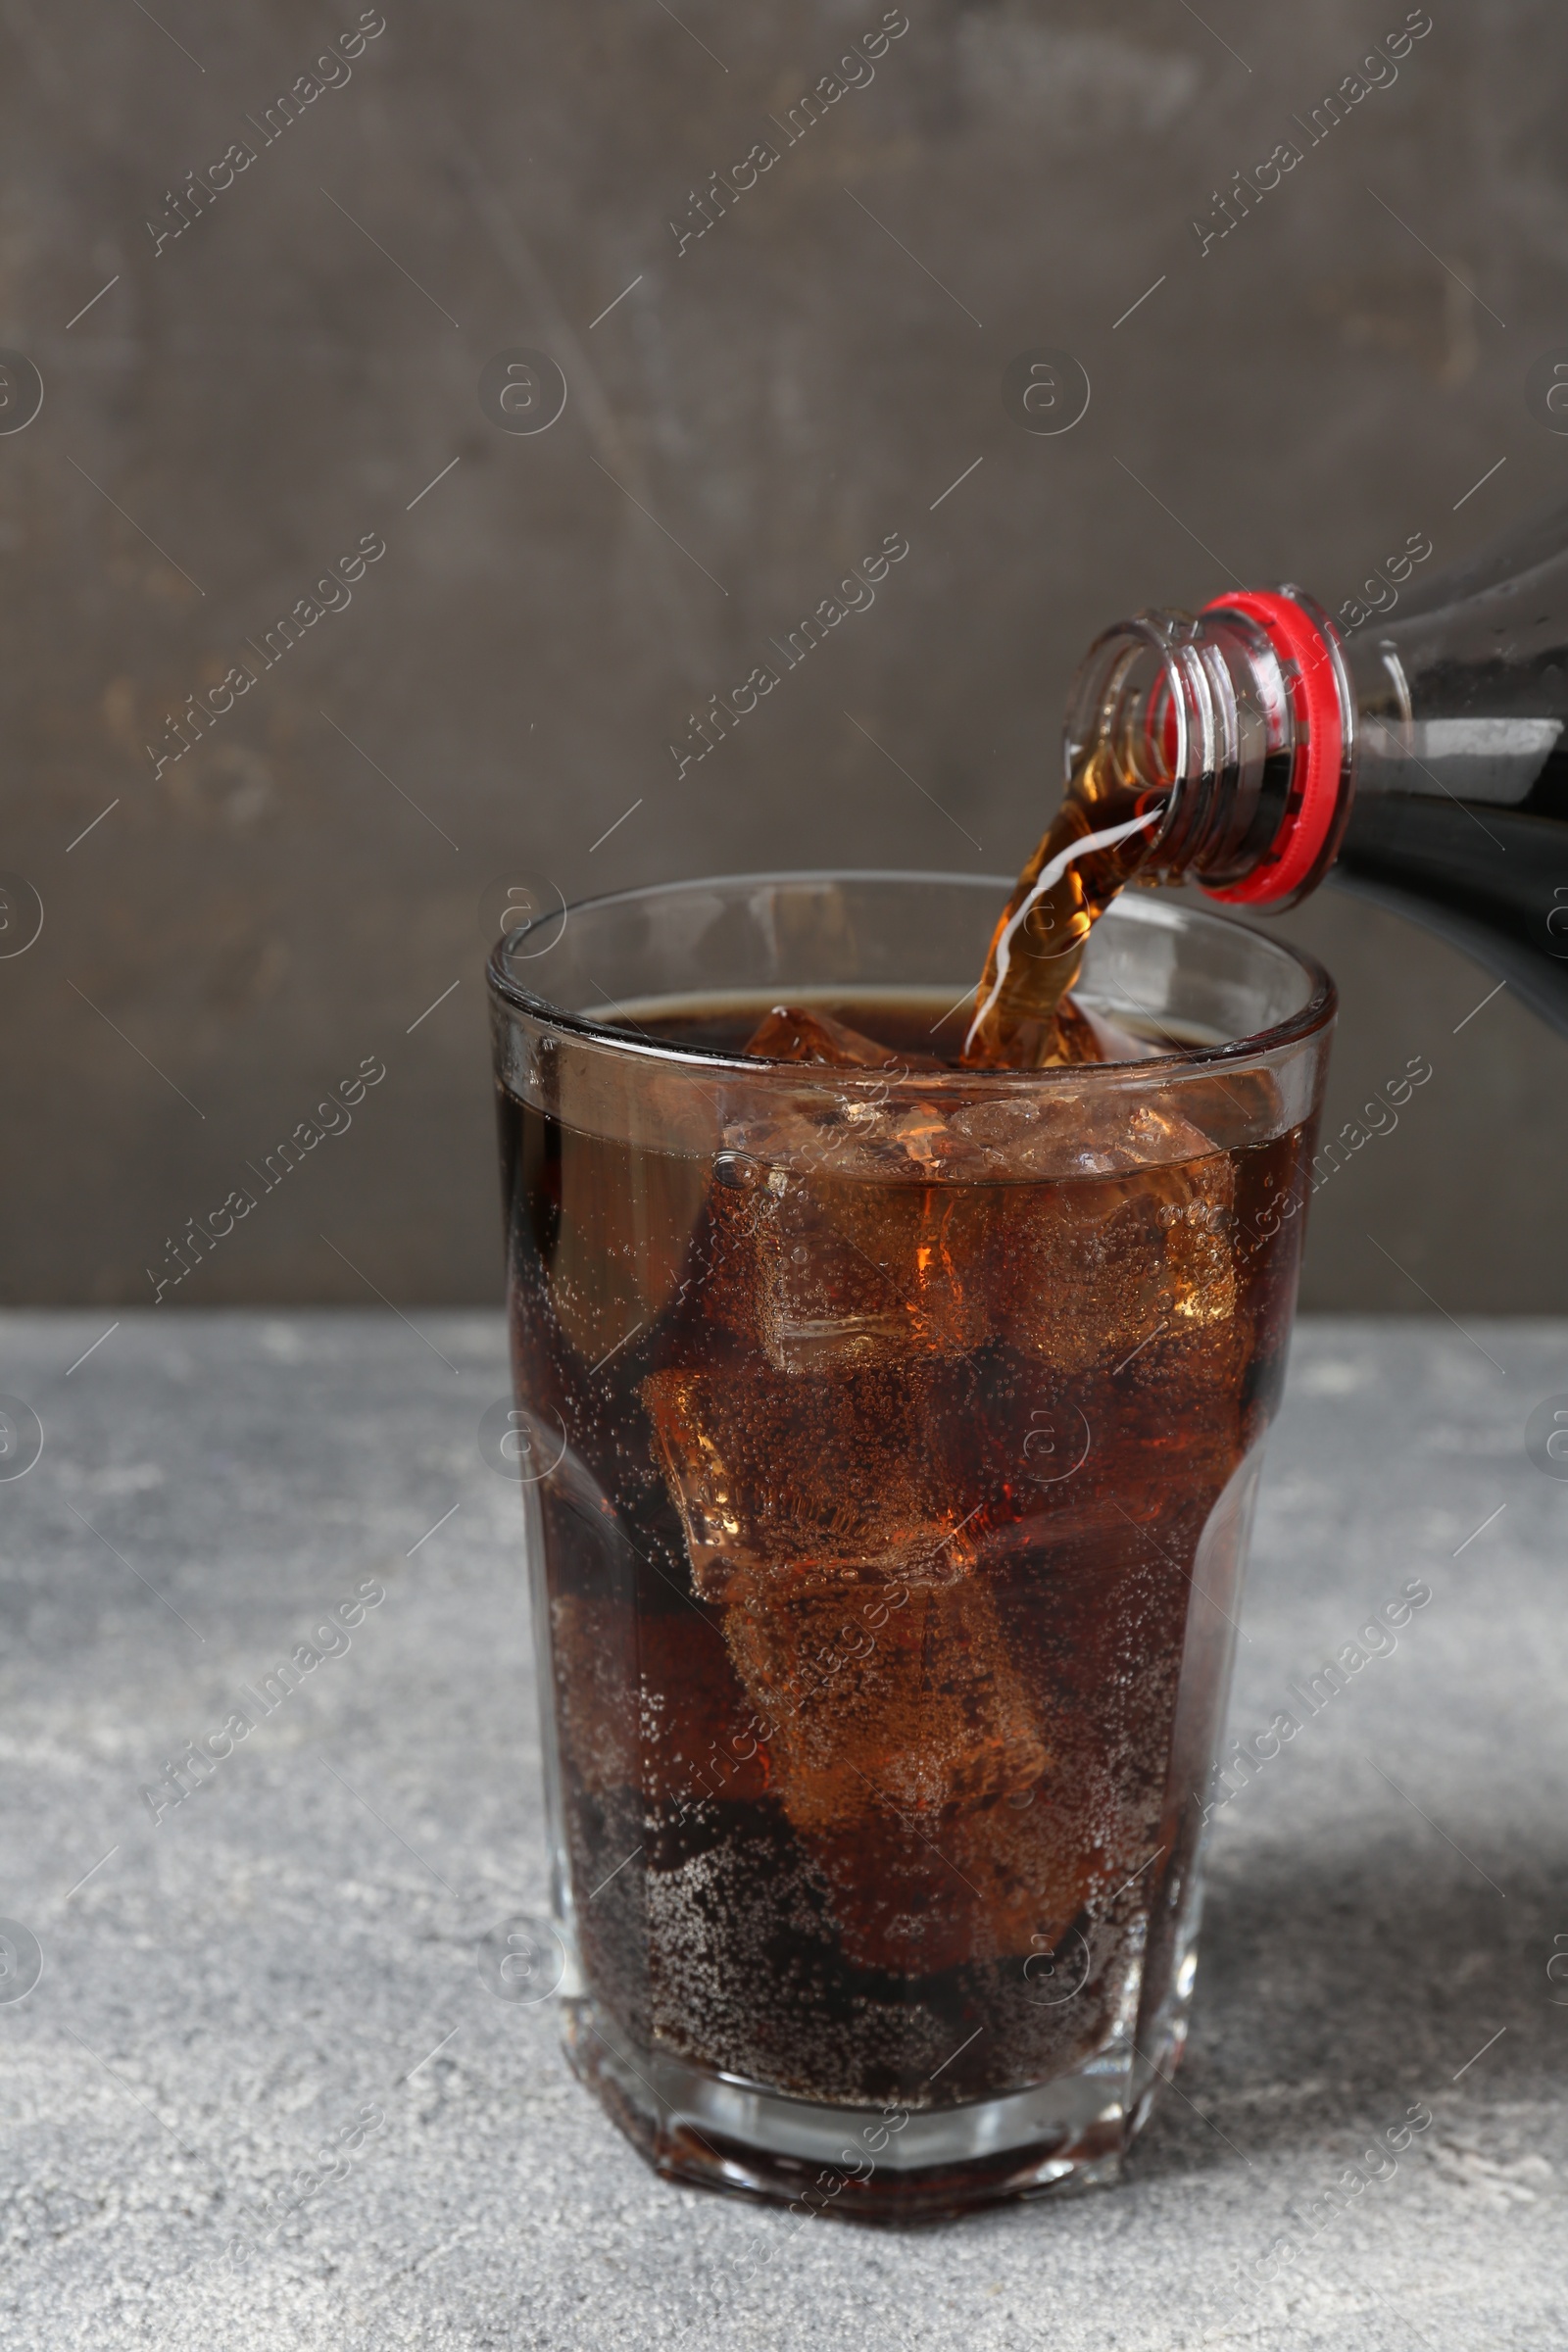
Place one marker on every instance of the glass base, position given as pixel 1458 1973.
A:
pixel 720 2132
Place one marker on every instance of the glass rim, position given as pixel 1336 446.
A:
pixel 1314 1016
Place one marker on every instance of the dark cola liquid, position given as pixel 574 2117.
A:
pixel 869 1571
pixel 1492 880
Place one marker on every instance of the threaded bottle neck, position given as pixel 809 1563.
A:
pixel 1241 722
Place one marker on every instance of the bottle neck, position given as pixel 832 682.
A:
pixel 1241 721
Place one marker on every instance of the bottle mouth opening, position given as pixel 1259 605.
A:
pixel 1128 696
pixel 1145 698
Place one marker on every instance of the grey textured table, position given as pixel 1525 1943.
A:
pixel 295 1945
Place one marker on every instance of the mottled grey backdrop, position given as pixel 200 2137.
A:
pixel 253 397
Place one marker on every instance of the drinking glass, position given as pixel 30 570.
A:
pixel 888 1439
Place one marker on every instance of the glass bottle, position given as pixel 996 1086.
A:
pixel 1409 748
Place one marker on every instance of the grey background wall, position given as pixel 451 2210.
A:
pixel 245 399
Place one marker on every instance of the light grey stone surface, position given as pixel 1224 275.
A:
pixel 228 1988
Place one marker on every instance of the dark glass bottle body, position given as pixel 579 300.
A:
pixel 1460 811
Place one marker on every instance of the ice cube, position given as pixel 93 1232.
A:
pixel 827 1271
pixel 1084 1272
pixel 796 1033
pixel 906 1749
pixel 853 1272
pixel 823 1517
pixel 956 1810
pixel 938 1750
pixel 863 1128
pixel 882 1691
pixel 867 1121
pixel 775 1473
pixel 1102 1129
